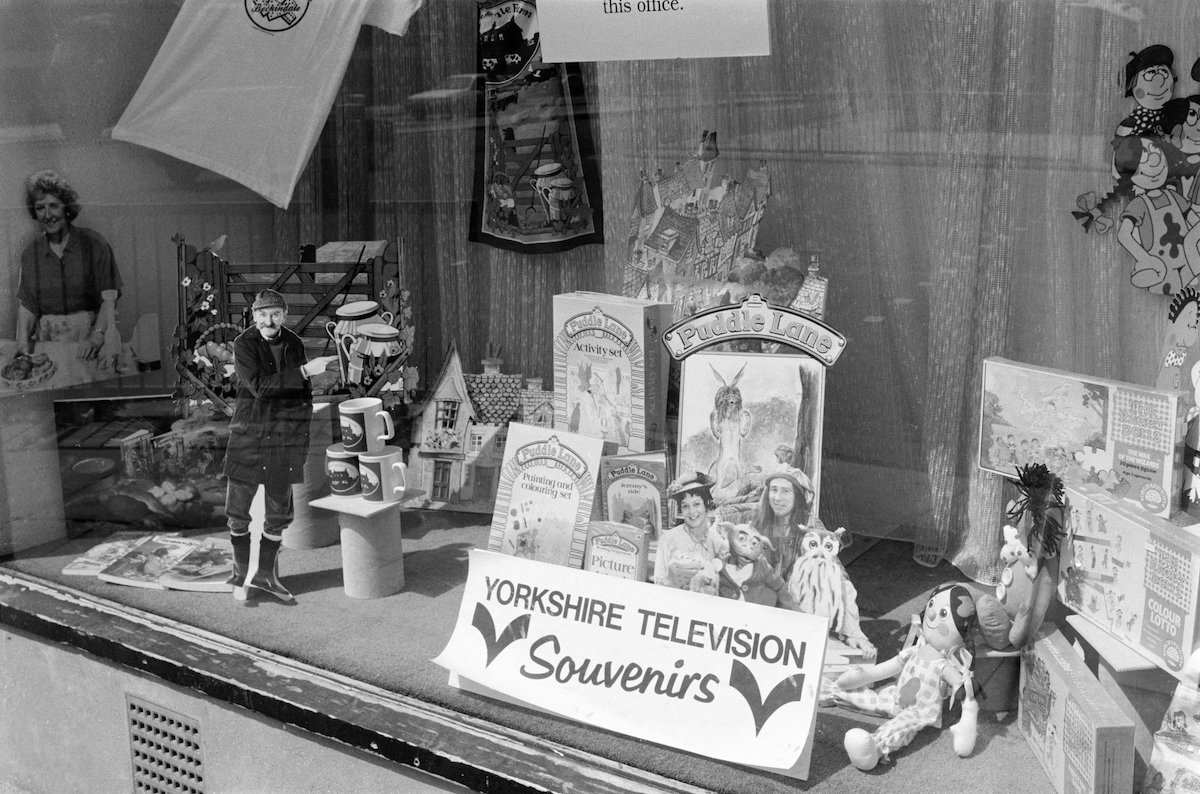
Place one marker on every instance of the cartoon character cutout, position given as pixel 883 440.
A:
pixel 1181 126
pixel 1182 337
pixel 1150 82
pixel 1154 227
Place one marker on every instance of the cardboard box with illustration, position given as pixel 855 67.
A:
pixel 610 368
pixel 1125 438
pixel 1082 739
pixel 1136 576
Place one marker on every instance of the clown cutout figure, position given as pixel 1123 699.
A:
pixel 927 672
pixel 1150 81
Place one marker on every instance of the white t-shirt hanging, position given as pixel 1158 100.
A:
pixel 243 88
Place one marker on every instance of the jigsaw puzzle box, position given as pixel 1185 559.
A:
pixel 1134 575
pixel 1128 439
pixel 1081 737
pixel 611 368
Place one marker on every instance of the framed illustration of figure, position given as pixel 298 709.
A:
pixel 743 416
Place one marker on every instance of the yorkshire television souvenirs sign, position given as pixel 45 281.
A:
pixel 721 678
pixel 634 30
pixel 754 318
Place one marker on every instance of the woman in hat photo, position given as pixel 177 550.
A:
pixel 785 514
pixel 684 550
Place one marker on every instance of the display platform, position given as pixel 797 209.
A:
pixel 360 671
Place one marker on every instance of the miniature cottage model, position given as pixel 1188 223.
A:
pixel 459 432
pixel 690 225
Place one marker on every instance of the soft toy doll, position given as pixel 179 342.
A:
pixel 707 579
pixel 928 672
pixel 819 585
pixel 1012 616
pixel 746 574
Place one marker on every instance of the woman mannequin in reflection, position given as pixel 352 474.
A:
pixel 64 272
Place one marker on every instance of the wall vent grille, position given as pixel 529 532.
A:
pixel 167 757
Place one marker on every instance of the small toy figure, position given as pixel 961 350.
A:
pixel 707 580
pixel 746 574
pixel 819 585
pixel 927 672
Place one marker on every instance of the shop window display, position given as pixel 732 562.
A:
pixel 923 197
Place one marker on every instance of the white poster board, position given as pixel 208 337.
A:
pixel 643 660
pixel 636 30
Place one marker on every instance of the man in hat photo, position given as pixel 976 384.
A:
pixel 268 438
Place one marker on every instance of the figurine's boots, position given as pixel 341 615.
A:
pixel 241 560
pixel 266 576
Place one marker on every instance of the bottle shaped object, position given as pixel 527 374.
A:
pixel 110 351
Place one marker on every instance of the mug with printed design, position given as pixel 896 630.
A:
pixel 341 467
pixel 384 475
pixel 366 426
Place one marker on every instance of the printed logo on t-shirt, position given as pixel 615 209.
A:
pixel 276 16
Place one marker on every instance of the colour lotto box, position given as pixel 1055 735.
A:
pixel 1125 438
pixel 1080 736
pixel 1135 575
pixel 610 368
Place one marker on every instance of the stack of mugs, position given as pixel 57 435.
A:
pixel 363 464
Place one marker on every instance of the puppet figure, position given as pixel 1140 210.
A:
pixel 927 672
pixel 1013 615
pixel 746 574
pixel 819 585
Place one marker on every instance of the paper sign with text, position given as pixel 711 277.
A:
pixel 720 678
pixel 636 30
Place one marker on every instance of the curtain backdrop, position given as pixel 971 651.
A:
pixel 931 152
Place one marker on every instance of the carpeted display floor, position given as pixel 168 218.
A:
pixel 389 643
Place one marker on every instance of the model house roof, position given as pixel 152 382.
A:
pixel 450 382
pixel 496 396
pixel 672 235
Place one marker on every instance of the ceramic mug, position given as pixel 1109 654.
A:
pixel 365 425
pixel 384 475
pixel 342 468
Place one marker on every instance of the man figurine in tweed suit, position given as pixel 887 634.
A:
pixel 268 438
